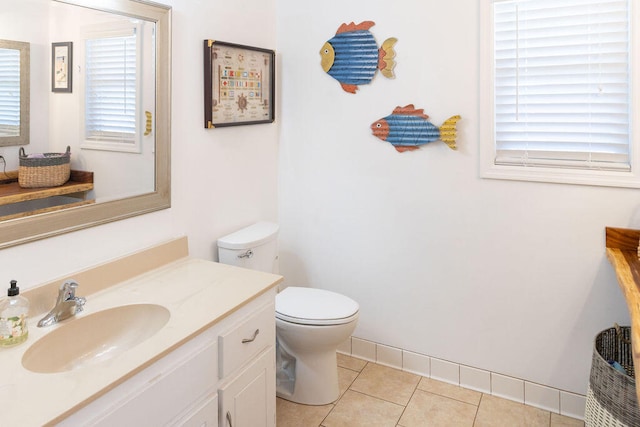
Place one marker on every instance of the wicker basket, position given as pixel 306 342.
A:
pixel 611 398
pixel 44 170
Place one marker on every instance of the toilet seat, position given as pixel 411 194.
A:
pixel 315 307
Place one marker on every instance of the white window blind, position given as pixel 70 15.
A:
pixel 9 92
pixel 562 83
pixel 111 87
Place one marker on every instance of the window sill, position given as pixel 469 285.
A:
pixel 562 176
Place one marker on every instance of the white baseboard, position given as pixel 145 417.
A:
pixel 493 383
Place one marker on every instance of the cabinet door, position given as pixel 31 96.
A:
pixel 158 394
pixel 249 399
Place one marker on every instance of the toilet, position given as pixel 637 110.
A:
pixel 310 322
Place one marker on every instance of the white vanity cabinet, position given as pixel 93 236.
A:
pixel 223 376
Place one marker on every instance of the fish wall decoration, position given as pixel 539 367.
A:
pixel 352 56
pixel 407 128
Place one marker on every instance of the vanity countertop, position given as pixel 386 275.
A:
pixel 622 252
pixel 197 293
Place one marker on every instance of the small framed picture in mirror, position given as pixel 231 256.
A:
pixel 61 66
pixel 239 85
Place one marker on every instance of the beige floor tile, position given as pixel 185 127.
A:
pixel 345 379
pixel 496 412
pixel 386 383
pixel 562 421
pixel 431 410
pixel 349 362
pixel 359 410
pixel 450 390
pixel 289 414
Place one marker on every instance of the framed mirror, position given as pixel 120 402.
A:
pixel 14 92
pixel 120 169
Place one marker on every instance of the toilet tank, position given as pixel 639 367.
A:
pixel 254 247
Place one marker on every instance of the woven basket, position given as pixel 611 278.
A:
pixel 611 398
pixel 45 170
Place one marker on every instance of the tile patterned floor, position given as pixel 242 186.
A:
pixel 374 395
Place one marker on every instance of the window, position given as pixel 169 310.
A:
pixel 556 98
pixel 9 92
pixel 112 88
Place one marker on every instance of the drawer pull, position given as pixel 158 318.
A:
pixel 255 334
pixel 229 419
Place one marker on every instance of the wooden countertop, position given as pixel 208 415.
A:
pixel 11 192
pixel 80 182
pixel 622 251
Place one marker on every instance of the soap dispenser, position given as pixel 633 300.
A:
pixel 13 317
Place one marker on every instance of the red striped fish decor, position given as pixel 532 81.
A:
pixel 407 128
pixel 352 56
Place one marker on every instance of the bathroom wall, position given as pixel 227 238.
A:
pixel 509 277
pixel 222 179
pixel 505 276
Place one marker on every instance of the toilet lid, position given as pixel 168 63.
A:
pixel 311 306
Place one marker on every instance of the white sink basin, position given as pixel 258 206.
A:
pixel 94 338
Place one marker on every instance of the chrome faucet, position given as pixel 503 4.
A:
pixel 67 305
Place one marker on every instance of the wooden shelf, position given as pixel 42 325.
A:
pixel 622 252
pixel 78 185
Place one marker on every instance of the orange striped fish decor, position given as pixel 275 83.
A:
pixel 407 128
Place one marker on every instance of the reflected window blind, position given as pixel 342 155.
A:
pixel 562 83
pixel 9 92
pixel 110 88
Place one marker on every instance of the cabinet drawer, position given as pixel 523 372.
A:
pixel 247 339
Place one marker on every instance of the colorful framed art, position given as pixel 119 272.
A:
pixel 239 84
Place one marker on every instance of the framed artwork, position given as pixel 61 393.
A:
pixel 61 66
pixel 239 84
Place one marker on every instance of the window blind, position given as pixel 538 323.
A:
pixel 110 88
pixel 562 83
pixel 9 92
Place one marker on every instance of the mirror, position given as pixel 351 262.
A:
pixel 108 166
pixel 14 92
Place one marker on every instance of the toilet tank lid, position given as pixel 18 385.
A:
pixel 251 236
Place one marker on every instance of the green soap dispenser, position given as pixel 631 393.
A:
pixel 13 317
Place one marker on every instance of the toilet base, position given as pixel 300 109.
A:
pixel 316 380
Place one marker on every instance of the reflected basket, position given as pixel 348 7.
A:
pixel 44 169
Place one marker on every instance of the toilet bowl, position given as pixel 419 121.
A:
pixel 310 323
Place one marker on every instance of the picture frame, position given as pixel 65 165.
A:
pixel 239 84
pixel 61 67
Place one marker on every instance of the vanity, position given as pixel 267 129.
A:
pixel 210 362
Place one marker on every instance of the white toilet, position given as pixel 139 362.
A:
pixel 310 323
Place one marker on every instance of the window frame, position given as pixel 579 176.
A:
pixel 24 87
pixel 487 146
pixel 115 29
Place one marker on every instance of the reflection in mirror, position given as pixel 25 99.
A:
pixel 129 163
pixel 14 92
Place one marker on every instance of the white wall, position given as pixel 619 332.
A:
pixel 510 277
pixel 505 276
pixel 117 174
pixel 222 179
pixel 14 26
